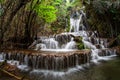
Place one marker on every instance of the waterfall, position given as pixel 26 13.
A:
pixel 50 43
pixel 57 42
pixel 74 24
pixel 71 45
pixel 65 53
pixel 91 39
pixel 2 57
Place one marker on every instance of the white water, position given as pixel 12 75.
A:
pixel 75 23
pixel 51 44
pixel 60 43
pixel 59 50
pixel 71 44
pixel 90 40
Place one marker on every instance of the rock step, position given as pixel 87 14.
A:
pixel 106 52
pixel 48 60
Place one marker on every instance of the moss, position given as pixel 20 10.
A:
pixel 80 44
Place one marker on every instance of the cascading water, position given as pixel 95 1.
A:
pixel 71 45
pixel 74 24
pixel 64 42
pixel 60 42
pixel 91 39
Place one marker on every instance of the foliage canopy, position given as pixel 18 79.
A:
pixel 46 12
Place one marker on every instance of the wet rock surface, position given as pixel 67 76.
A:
pixel 117 50
pixel 48 60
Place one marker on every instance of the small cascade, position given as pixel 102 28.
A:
pixel 45 60
pixel 71 45
pixel 50 43
pixel 74 24
pixel 57 42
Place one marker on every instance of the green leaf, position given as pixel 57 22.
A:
pixel 46 12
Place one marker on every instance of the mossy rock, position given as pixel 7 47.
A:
pixel 79 42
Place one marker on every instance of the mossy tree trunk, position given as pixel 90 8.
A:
pixel 17 23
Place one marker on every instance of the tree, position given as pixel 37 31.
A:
pixel 104 16
pixel 46 12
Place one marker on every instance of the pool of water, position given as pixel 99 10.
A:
pixel 107 70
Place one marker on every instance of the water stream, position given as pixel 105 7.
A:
pixel 64 42
pixel 107 70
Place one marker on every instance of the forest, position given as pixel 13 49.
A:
pixel 21 21
pixel 53 39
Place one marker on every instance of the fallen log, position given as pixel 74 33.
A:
pixel 10 74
